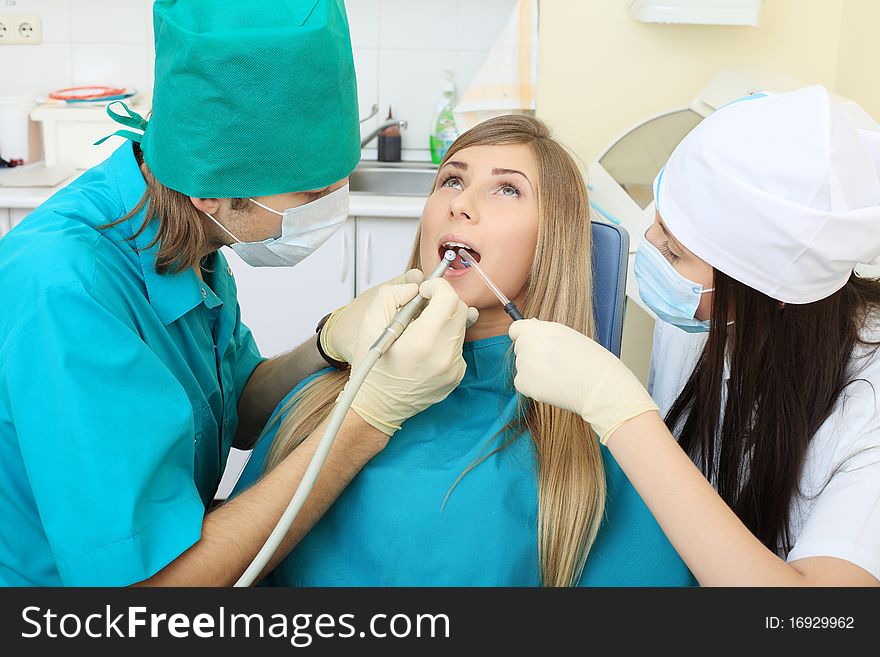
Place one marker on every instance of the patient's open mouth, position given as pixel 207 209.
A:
pixel 457 264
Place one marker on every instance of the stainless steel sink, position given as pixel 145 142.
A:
pixel 393 178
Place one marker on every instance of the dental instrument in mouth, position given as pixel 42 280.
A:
pixel 509 306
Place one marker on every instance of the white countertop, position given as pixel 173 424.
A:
pixel 28 198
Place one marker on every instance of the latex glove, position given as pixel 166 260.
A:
pixel 340 331
pixel 557 365
pixel 423 365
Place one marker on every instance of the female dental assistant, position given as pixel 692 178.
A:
pixel 764 210
pixel 127 374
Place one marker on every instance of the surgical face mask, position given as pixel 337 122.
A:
pixel 303 230
pixel 671 296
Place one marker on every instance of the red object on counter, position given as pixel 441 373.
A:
pixel 85 93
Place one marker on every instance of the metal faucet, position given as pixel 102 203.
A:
pixel 374 110
pixel 387 124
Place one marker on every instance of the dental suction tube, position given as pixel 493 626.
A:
pixel 393 331
pixel 509 306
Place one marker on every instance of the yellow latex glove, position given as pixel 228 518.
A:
pixel 340 332
pixel 423 365
pixel 557 365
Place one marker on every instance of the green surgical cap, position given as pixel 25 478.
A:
pixel 252 97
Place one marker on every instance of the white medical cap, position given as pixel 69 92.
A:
pixel 779 191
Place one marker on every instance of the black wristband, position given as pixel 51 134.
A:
pixel 338 364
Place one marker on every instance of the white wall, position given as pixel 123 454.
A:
pixel 401 48
pixel 84 42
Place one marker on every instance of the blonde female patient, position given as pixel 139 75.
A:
pixel 485 488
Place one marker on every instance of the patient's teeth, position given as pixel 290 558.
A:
pixel 458 244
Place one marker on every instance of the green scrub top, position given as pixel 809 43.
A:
pixel 390 527
pixel 118 389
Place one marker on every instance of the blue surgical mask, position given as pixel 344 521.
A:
pixel 671 296
pixel 303 230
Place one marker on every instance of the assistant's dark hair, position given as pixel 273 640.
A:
pixel 789 364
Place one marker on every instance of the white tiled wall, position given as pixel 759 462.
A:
pixel 401 48
pixel 84 42
pixel 417 40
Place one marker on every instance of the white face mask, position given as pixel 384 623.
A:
pixel 303 229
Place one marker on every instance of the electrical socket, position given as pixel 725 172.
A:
pixel 20 30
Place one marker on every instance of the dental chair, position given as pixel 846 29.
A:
pixel 610 254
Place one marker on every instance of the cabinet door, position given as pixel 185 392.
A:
pixel 16 215
pixel 282 305
pixel 10 217
pixel 383 248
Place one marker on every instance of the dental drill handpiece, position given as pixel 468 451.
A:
pixel 405 315
pixel 509 306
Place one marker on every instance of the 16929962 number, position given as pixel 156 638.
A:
pixel 820 622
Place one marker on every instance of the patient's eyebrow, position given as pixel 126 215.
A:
pixel 458 165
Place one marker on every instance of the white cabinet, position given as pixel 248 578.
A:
pixel 9 217
pixel 282 305
pixel 384 246
pixel 16 215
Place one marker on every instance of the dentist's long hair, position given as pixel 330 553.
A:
pixel 571 474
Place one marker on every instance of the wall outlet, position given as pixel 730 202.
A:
pixel 20 30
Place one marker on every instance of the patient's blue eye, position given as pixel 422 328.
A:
pixel 451 181
pixel 509 190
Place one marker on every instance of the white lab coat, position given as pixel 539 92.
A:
pixel 837 513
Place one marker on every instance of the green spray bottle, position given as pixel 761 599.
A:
pixel 443 129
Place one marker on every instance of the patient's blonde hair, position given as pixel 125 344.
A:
pixel 571 475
